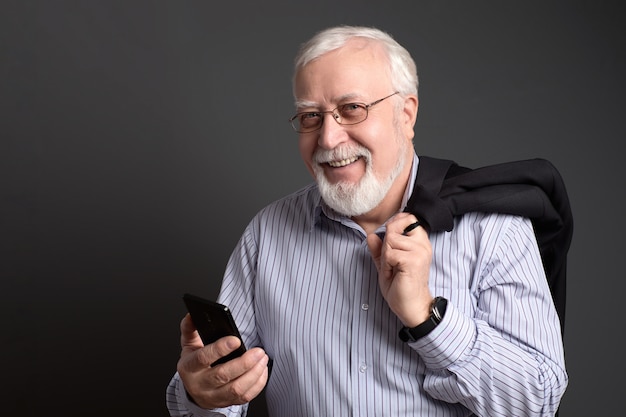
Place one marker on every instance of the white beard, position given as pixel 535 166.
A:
pixel 354 199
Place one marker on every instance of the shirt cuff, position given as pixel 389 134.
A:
pixel 185 400
pixel 448 342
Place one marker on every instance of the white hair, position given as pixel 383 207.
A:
pixel 402 68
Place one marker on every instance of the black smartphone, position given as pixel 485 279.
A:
pixel 213 321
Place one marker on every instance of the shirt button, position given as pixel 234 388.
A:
pixel 363 368
pixel 365 307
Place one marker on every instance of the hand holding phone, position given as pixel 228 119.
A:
pixel 213 321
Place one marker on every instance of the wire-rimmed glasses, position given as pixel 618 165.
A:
pixel 344 114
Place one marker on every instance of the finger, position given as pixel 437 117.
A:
pixel 412 256
pixel 400 254
pixel 242 373
pixel 402 223
pixel 189 337
pixel 374 244
pixel 222 347
pixel 227 384
pixel 205 356
pixel 186 327
pixel 238 374
pixel 253 382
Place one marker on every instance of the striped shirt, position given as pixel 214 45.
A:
pixel 301 284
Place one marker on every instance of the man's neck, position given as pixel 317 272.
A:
pixel 390 205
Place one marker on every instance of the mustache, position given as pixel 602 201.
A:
pixel 322 156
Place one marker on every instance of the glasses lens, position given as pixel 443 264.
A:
pixel 352 113
pixel 346 114
pixel 307 122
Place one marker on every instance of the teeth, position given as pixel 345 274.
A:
pixel 343 162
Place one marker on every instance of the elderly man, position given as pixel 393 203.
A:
pixel 362 311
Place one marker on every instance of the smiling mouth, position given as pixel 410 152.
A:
pixel 343 162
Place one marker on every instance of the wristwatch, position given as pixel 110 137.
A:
pixel 437 310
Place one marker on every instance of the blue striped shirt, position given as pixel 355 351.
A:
pixel 301 284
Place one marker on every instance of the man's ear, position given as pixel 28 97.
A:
pixel 409 114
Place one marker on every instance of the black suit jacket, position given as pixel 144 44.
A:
pixel 532 188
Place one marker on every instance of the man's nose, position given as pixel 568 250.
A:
pixel 331 133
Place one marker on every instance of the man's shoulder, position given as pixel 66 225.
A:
pixel 303 200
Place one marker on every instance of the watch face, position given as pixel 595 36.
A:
pixel 439 309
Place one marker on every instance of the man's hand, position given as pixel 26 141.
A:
pixel 237 381
pixel 403 263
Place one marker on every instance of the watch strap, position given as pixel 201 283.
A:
pixel 437 311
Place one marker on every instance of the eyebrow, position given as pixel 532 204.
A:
pixel 300 104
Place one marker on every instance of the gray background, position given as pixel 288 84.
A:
pixel 138 138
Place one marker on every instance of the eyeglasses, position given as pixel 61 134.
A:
pixel 345 114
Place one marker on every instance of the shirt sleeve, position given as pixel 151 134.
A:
pixel 180 405
pixel 507 357
pixel 239 267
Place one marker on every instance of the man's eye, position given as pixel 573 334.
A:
pixel 310 119
pixel 309 116
pixel 352 108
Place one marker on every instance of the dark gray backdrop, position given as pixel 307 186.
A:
pixel 138 138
